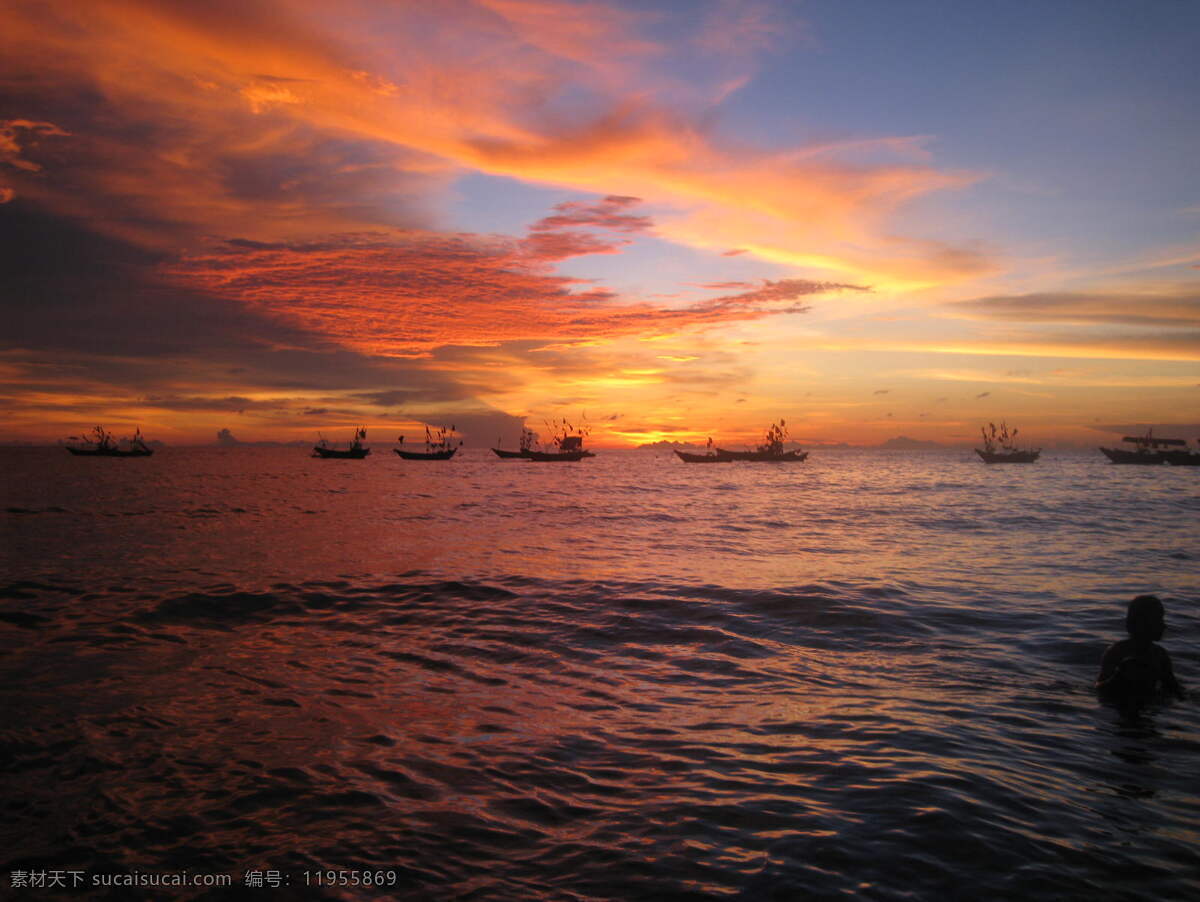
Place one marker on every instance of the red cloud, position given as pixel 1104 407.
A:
pixel 278 120
pixel 605 214
pixel 558 237
pixel 550 247
pixel 409 293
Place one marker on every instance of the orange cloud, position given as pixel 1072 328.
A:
pixel 407 294
pixel 606 214
pixel 403 96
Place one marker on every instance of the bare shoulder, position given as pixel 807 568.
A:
pixel 1108 664
pixel 1116 652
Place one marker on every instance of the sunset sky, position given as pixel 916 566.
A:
pixel 678 219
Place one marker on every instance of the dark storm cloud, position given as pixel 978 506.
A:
pixel 232 403
pixel 82 312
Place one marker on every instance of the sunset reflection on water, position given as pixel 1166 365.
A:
pixel 622 679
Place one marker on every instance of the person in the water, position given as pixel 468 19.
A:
pixel 1137 668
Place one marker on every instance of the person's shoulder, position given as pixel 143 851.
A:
pixel 1120 647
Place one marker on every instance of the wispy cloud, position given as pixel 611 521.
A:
pixel 1177 307
pixel 260 120
pixel 407 294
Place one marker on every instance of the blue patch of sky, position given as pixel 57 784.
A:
pixel 1080 118
pixel 1081 115
pixel 648 266
pixel 488 204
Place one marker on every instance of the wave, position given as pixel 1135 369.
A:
pixel 528 736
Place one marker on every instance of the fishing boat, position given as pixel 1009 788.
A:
pixel 528 437
pixel 999 446
pixel 357 450
pixel 709 457
pixel 770 450
pixel 1146 449
pixel 100 443
pixel 567 440
pixel 689 458
pixel 1184 457
pixel 570 447
pixel 438 446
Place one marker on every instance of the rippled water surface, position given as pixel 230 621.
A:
pixel 627 678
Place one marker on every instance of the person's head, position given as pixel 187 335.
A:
pixel 1144 619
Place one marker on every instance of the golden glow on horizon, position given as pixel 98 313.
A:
pixel 1097 351
pixel 294 164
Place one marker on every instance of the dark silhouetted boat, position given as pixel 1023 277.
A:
pixel 710 457
pixel 999 446
pixel 426 455
pixel 567 440
pixel 771 450
pixel 437 447
pixel 528 437
pixel 1146 450
pixel 1184 458
pixel 689 458
pixel 570 447
pixel 356 451
pixel 102 444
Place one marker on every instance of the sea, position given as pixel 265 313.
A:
pixel 864 676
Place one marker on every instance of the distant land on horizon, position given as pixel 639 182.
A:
pixel 226 439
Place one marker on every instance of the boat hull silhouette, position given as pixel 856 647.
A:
pixel 345 454
pixel 111 452
pixel 550 456
pixel 426 455
pixel 765 456
pixel 1147 449
pixel 1182 458
pixel 699 458
pixel 1143 457
pixel 511 455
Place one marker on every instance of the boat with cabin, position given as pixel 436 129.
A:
pixel 570 448
pixel 568 440
pixel 1147 449
pixel 357 450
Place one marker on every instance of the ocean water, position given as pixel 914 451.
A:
pixel 628 678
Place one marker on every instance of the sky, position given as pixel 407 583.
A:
pixel 666 220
